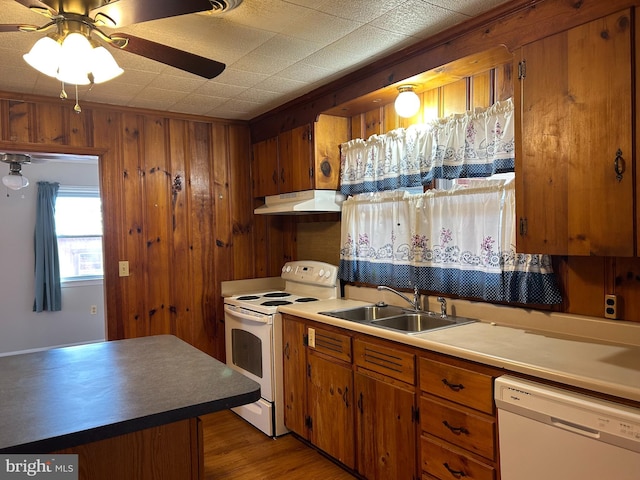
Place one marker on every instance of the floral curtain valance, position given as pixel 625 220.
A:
pixel 475 144
pixel 459 242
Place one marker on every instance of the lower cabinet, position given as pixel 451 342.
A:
pixel 457 419
pixel 387 410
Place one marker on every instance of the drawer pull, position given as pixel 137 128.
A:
pixel 456 387
pixel 455 473
pixel 456 430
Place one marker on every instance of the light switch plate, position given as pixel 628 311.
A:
pixel 123 268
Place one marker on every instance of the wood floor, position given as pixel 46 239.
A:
pixel 234 449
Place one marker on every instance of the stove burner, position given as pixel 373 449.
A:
pixel 275 303
pixel 248 297
pixel 307 299
pixel 276 294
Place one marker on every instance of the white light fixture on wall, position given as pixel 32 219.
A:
pixel 15 180
pixel 407 102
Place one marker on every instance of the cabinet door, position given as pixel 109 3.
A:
pixel 295 376
pixel 576 119
pixel 331 408
pixel 264 166
pixel 386 430
pixel 295 160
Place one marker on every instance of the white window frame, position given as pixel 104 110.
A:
pixel 90 191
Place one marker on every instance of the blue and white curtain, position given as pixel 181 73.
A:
pixel 474 144
pixel 459 241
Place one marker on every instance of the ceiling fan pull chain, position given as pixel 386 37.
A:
pixel 76 107
pixel 63 93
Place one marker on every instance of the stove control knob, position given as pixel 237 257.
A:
pixel 327 274
pixel 287 268
pixel 321 272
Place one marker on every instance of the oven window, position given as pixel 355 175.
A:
pixel 246 351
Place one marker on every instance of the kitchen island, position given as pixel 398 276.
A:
pixel 128 408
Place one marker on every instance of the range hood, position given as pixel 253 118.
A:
pixel 298 203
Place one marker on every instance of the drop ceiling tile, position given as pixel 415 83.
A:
pixel 264 64
pixel 272 15
pixel 178 84
pixel 280 85
pixel 240 78
pixel 363 11
pixel 321 27
pixel 304 72
pixel 215 89
pixel 416 17
pixel 332 58
pixel 369 41
pixel 290 48
pixel 467 7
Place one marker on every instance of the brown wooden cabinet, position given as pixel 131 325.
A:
pixel 318 384
pixel 575 119
pixel 386 411
pixel 457 419
pixel 304 158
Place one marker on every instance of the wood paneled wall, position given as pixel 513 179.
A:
pixel 176 205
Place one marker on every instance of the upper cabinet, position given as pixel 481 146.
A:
pixel 307 157
pixel 574 151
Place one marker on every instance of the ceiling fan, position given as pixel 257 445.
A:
pixel 87 17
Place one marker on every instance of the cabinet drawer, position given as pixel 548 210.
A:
pixel 331 343
pixel 457 384
pixel 388 361
pixel 444 463
pixel 475 433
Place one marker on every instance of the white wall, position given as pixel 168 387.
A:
pixel 21 329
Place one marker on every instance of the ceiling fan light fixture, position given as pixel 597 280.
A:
pixel 44 56
pixel 103 66
pixel 75 60
pixel 407 102
pixel 15 181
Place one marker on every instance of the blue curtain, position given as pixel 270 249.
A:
pixel 48 294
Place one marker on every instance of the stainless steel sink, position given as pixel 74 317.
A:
pixel 397 318
pixel 367 313
pixel 419 322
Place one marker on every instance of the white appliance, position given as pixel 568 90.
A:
pixel 554 434
pixel 253 336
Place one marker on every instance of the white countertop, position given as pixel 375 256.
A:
pixel 600 365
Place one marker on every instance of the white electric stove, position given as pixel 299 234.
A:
pixel 253 335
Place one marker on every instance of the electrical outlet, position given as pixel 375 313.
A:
pixel 312 337
pixel 123 268
pixel 93 310
pixel 611 306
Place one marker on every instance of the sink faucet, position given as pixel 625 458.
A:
pixel 415 303
pixel 443 307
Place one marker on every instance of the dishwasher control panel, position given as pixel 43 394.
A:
pixel 576 412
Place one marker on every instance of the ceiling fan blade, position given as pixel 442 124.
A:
pixel 126 12
pixel 7 27
pixel 186 61
pixel 40 5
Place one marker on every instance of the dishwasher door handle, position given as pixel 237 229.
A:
pixel 575 428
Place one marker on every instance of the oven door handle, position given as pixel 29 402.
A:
pixel 245 316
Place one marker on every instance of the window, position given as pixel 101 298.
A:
pixel 79 231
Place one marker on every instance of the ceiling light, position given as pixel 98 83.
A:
pixel 15 180
pixel 407 103
pixel 72 57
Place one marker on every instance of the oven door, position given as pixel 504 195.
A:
pixel 249 344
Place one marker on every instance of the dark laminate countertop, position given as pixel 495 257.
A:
pixel 65 397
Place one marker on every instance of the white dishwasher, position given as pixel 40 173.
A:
pixel 548 433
